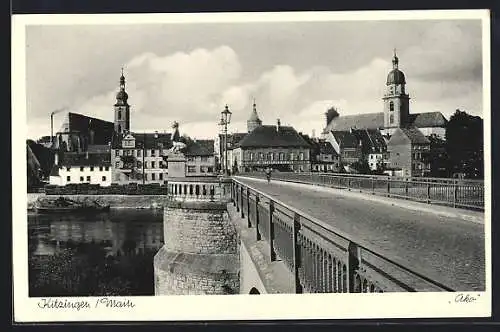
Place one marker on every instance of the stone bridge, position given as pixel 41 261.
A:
pixel 295 237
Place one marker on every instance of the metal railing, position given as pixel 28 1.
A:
pixel 458 193
pixel 320 258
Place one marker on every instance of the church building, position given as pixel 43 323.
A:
pixel 396 112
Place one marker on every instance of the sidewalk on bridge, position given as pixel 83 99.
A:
pixel 445 211
pixel 275 277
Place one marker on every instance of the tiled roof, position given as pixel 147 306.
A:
pixel 429 119
pixel 326 147
pixel 346 139
pixel 99 148
pixel 84 159
pixel 271 136
pixel 407 135
pixel 233 139
pixel 359 121
pixel 103 130
pixel 147 141
pixel 371 140
pixel 200 148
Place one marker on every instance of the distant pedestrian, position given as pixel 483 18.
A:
pixel 268 174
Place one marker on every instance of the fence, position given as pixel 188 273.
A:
pixel 321 259
pixel 114 189
pixel 458 193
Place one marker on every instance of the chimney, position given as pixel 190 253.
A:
pixel 278 125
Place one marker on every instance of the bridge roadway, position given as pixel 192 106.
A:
pixel 447 249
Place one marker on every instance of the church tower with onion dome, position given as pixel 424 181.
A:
pixel 396 100
pixel 122 109
pixel 254 121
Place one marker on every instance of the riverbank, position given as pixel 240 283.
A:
pixel 114 201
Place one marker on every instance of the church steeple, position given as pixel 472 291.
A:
pixel 254 121
pixel 396 101
pixel 122 108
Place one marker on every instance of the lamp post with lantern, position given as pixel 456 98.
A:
pixel 225 119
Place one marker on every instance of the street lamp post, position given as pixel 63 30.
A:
pixel 225 119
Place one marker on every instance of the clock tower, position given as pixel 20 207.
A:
pixel 122 109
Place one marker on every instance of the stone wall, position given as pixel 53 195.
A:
pixel 115 201
pixel 201 254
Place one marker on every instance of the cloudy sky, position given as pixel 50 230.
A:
pixel 294 70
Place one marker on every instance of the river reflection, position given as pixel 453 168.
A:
pixel 93 255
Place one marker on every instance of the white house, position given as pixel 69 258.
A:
pixel 74 168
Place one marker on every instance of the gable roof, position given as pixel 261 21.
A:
pixel 371 140
pixel 428 119
pixel 147 141
pixel 359 121
pixel 408 135
pixel 84 159
pixel 346 139
pixel 271 136
pixel 200 148
pixel 326 147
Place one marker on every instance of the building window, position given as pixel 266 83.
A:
pixel 160 176
pixel 117 164
pixel 88 178
pixel 204 159
pixel 301 156
pixel 203 169
pixel 270 156
pixel 153 153
pixel 117 153
pixel 282 156
pixel 81 178
pixel 68 168
pixel 103 179
pixel 139 153
pixel 292 156
pixel 153 176
pixel 119 115
pixel 81 168
pixel 145 176
pixel 210 169
pixel 145 164
pixel 391 106
pixel 152 164
pixel 100 168
pixel 68 178
pixel 160 164
pixel 191 169
pixel 91 168
pixel 251 156
pixel 391 119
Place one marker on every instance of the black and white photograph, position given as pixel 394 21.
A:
pixel 337 164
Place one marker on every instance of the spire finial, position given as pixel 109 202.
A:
pixel 394 51
pixel 395 60
pixel 122 70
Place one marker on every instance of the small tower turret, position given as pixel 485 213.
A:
pixel 122 109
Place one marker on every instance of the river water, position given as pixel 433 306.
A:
pixel 93 255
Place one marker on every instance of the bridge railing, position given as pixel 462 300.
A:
pixel 458 193
pixel 320 258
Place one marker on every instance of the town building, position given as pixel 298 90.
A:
pixel 279 147
pixel 76 168
pixel 373 148
pixel 409 152
pixel 79 131
pixel 200 158
pixel 396 112
pixel 324 158
pixel 347 146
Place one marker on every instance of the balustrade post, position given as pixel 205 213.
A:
pixel 242 213
pixel 353 258
pixel 272 252
pixel 296 253
pixel 455 193
pixel 257 232
pixel 373 185
pixel 233 193
pixel 349 184
pixel 406 188
pixel 237 198
pixel 428 192
pixel 388 187
pixel 249 222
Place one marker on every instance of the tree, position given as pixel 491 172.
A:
pixel 464 144
pixel 361 167
pixel 331 114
